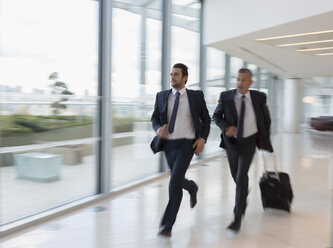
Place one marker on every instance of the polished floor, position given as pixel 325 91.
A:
pixel 132 219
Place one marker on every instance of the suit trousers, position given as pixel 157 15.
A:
pixel 240 154
pixel 179 154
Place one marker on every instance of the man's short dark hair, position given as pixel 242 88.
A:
pixel 245 70
pixel 183 67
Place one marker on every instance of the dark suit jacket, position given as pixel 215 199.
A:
pixel 226 115
pixel 199 111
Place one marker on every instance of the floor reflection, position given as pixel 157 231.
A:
pixel 132 219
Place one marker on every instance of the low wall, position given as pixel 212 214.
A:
pixel 73 154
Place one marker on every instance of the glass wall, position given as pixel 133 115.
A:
pixel 235 65
pixel 48 104
pixel 215 84
pixel 49 72
pixel 185 38
pixel 136 78
pixel 317 98
pixel 256 76
pixel 316 102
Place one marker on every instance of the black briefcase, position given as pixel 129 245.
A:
pixel 276 190
pixel 156 144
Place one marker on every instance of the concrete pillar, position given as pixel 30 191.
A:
pixel 292 105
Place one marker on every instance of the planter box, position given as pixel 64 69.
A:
pixel 71 154
pixel 36 166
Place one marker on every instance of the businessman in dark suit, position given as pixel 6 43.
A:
pixel 181 120
pixel 244 119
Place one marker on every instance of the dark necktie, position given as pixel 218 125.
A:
pixel 174 114
pixel 240 127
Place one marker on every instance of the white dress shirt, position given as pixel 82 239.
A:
pixel 250 122
pixel 184 125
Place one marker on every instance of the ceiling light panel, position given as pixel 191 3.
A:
pixel 298 39
pixel 314 49
pixel 325 45
pixel 295 35
pixel 325 54
pixel 310 43
pixel 305 43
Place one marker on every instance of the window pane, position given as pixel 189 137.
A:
pixel 185 38
pixel 215 85
pixel 215 66
pixel 254 70
pixel 235 65
pixel 48 77
pixel 136 78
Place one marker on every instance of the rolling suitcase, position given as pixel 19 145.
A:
pixel 276 190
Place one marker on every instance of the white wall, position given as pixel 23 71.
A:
pixel 226 19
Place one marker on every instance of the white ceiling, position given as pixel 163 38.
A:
pixel 286 61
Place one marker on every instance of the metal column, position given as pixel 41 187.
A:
pixel 104 92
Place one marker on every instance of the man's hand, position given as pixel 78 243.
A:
pixel 230 131
pixel 163 131
pixel 199 146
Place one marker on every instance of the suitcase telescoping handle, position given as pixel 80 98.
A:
pixel 275 169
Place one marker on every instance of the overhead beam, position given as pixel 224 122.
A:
pixel 152 13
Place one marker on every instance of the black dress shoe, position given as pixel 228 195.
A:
pixel 193 200
pixel 165 233
pixel 235 225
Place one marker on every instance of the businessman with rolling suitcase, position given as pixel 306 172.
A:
pixel 244 120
